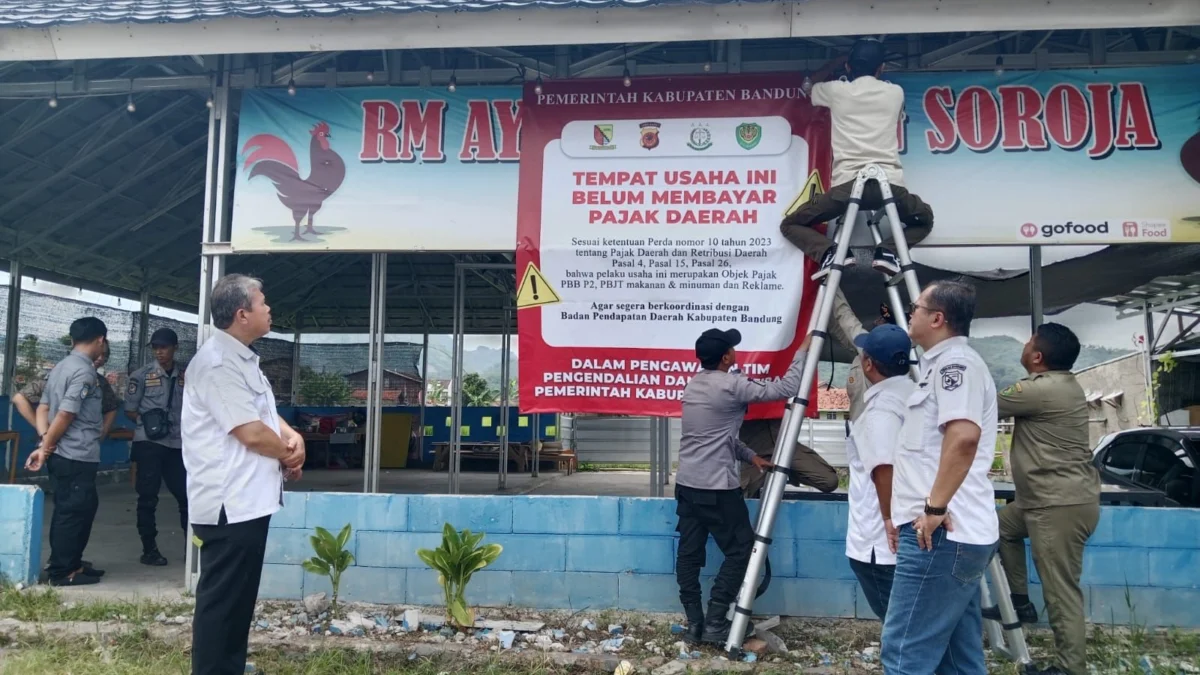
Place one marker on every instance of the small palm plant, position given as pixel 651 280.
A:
pixel 458 558
pixel 331 559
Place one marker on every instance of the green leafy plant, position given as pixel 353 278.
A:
pixel 458 558
pixel 331 559
pixel 324 389
pixel 477 392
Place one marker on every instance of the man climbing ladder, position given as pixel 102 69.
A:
pixel 865 113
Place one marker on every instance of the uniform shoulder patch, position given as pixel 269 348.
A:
pixel 132 388
pixel 952 376
pixel 1011 389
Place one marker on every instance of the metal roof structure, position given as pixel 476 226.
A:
pixel 101 194
pixel 43 13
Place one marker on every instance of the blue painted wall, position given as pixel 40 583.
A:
pixel 606 552
pixel 438 419
pixel 20 533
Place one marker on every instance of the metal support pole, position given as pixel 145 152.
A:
pixel 456 401
pixel 1151 403
pixel 143 329
pixel 502 470
pixel 212 267
pixel 666 453
pixel 537 444
pixel 294 394
pixel 378 327
pixel 1035 288
pixel 655 459
pixel 11 340
pixel 424 395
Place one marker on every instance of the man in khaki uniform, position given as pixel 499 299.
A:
pixel 28 401
pixel 1057 500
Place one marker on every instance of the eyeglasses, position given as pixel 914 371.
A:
pixel 913 307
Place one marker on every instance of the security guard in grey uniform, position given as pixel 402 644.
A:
pixel 154 399
pixel 71 450
pixel 1057 503
pixel 707 492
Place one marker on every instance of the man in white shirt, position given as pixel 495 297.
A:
pixel 871 449
pixel 942 499
pixel 237 452
pixel 865 113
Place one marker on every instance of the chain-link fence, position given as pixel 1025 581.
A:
pixel 330 374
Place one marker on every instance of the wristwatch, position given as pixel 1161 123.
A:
pixel 931 510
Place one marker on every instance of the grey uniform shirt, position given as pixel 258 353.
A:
pixel 714 404
pixel 73 386
pixel 150 388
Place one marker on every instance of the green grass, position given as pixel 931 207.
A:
pixel 43 604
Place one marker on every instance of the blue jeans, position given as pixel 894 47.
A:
pixel 876 582
pixel 933 623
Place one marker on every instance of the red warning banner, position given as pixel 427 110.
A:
pixel 648 214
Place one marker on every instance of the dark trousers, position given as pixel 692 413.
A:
pixel 797 227
pixel 75 504
pixel 231 560
pixel 157 464
pixel 723 514
pixel 876 582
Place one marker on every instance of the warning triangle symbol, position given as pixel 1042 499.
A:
pixel 535 290
pixel 812 188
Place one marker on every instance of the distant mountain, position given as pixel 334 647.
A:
pixel 1001 353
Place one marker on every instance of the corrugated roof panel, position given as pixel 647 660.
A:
pixel 41 13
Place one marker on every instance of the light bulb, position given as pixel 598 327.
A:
pixel 627 81
pixel 129 105
pixel 537 86
pixel 371 76
pixel 291 87
pixel 999 66
pixel 53 102
pixel 707 67
pixel 453 86
pixel 807 84
pixel 209 103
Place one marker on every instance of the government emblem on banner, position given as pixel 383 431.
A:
pixel 700 138
pixel 748 135
pixel 602 134
pixel 650 134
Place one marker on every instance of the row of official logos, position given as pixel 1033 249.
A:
pixel 1129 229
pixel 700 138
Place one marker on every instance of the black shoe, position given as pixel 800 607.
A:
pixel 885 261
pixel 153 558
pixel 827 263
pixel 86 565
pixel 717 627
pixel 695 624
pixel 77 579
pixel 1026 613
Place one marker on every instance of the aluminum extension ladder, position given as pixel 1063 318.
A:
pixel 1006 637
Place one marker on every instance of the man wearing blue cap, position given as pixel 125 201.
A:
pixel 865 113
pixel 707 489
pixel 871 449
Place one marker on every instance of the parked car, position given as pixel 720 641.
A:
pixel 1157 458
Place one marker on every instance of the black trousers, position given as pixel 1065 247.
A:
pixel 231 560
pixel 723 514
pixel 157 464
pixel 75 504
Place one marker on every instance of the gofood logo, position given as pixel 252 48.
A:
pixel 1067 229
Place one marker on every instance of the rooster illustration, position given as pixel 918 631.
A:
pixel 271 156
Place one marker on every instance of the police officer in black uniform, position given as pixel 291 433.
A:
pixel 154 400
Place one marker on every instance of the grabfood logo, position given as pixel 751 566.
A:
pixel 1068 229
